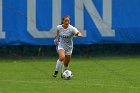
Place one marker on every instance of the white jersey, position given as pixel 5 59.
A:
pixel 66 37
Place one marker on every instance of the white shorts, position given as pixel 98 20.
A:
pixel 67 51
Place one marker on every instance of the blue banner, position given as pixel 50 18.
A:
pixel 101 21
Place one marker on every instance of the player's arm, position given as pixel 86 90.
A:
pixel 56 37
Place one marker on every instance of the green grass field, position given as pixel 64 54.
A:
pixel 91 75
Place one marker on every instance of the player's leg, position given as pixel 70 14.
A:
pixel 68 54
pixel 61 58
pixel 66 62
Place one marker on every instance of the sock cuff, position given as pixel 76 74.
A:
pixel 58 60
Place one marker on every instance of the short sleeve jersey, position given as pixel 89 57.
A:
pixel 66 36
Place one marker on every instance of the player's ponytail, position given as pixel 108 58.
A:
pixel 61 22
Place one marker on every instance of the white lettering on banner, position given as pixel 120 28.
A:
pixel 31 19
pixel 104 25
pixel 79 16
pixel 2 34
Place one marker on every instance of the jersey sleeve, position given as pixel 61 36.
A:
pixel 74 30
pixel 58 27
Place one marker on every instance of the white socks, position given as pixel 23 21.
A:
pixel 58 65
pixel 64 68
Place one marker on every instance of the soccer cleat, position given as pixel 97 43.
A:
pixel 55 73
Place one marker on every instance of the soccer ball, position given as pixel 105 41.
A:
pixel 67 74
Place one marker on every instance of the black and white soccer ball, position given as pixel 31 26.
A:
pixel 67 74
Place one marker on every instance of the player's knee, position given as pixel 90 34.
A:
pixel 62 58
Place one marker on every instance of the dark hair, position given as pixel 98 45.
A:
pixel 64 18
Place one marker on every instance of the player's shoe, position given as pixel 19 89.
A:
pixel 55 73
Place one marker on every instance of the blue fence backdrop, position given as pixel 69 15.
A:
pixel 101 21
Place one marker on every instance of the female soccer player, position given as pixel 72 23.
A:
pixel 65 33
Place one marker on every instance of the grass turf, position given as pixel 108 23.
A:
pixel 91 75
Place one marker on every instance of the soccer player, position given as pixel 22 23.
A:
pixel 64 45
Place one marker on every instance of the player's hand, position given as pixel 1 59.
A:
pixel 79 34
pixel 55 41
